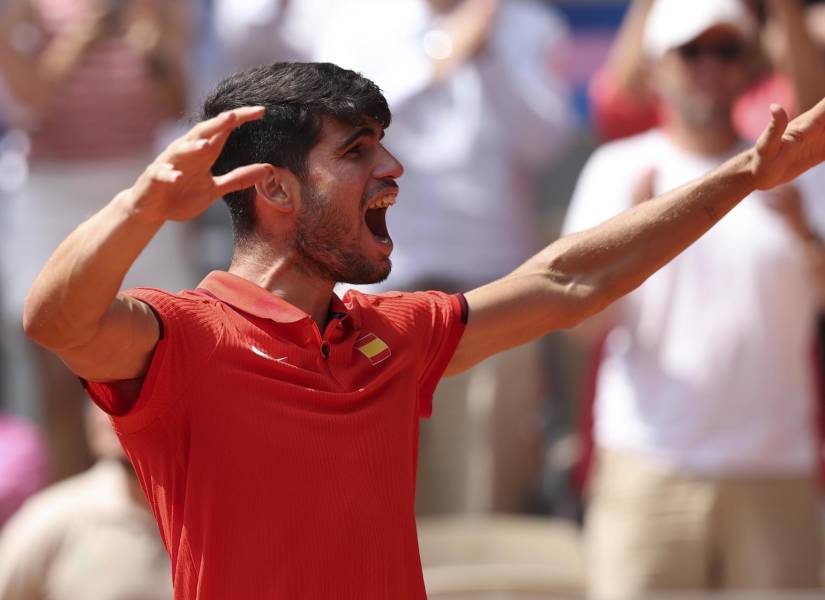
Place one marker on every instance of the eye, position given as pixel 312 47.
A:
pixel 354 151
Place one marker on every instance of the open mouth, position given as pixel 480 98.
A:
pixel 376 217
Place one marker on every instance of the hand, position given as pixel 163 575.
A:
pixel 786 150
pixel 472 22
pixel 179 185
pixel 468 26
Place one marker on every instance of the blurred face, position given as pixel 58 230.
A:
pixel 102 438
pixel 702 79
pixel 341 232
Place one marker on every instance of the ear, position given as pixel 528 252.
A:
pixel 280 190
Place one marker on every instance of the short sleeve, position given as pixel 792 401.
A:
pixel 439 324
pixel 190 331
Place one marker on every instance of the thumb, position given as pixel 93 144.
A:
pixel 770 139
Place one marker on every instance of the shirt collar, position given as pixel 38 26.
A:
pixel 260 302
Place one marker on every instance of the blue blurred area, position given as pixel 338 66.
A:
pixel 592 15
pixel 593 25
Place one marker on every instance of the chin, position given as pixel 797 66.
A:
pixel 368 274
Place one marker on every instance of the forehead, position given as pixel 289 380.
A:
pixel 337 134
pixel 720 34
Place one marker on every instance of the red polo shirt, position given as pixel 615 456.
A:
pixel 279 462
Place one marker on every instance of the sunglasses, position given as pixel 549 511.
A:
pixel 723 51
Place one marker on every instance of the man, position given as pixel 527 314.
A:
pixel 480 105
pixel 90 536
pixel 273 425
pixel 704 408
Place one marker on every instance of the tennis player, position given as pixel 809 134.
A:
pixel 274 426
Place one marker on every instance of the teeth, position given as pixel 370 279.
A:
pixel 382 202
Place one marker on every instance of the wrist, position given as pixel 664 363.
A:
pixel 747 167
pixel 133 205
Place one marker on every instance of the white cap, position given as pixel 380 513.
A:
pixel 673 23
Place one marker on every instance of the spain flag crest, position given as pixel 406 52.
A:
pixel 374 348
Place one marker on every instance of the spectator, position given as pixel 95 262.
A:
pixel 22 463
pixel 704 416
pixel 92 80
pixel 91 536
pixel 479 107
pixel 789 72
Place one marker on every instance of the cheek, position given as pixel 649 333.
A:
pixel 667 77
pixel 738 80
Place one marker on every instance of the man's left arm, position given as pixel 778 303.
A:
pixel 581 274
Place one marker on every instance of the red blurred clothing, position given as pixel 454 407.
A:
pixel 617 114
pixel 107 108
pixel 281 463
pixel 23 463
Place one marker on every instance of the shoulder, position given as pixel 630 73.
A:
pixel 389 301
pixel 404 310
pixel 49 512
pixel 629 150
pixel 617 165
pixel 606 183
pixel 187 309
pixel 183 300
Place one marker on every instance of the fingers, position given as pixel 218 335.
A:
pixel 186 147
pixel 241 178
pixel 165 172
pixel 208 149
pixel 771 137
pixel 225 122
pixel 219 139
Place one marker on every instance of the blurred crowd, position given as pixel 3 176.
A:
pixel 681 429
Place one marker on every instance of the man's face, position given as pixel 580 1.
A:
pixel 341 233
pixel 702 79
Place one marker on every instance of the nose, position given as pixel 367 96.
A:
pixel 388 166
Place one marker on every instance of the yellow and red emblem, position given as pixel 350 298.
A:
pixel 374 348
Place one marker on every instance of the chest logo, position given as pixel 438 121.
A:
pixel 373 348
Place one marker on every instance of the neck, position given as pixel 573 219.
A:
pixel 280 276
pixel 710 139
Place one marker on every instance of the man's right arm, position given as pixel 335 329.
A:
pixel 74 308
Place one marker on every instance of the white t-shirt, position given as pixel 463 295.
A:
pixel 708 367
pixel 85 537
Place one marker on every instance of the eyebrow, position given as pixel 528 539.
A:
pixel 359 133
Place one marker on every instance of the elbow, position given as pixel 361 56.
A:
pixel 589 296
pixel 44 327
pixel 36 325
pixel 585 292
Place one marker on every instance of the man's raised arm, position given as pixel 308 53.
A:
pixel 579 275
pixel 74 308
